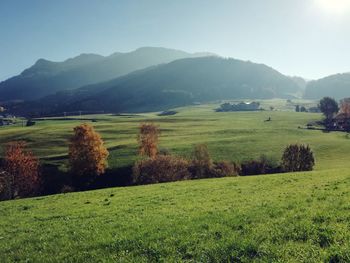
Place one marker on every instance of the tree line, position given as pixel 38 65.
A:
pixel 21 174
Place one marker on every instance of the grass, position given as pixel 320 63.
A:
pixel 276 218
pixel 233 136
pixel 297 217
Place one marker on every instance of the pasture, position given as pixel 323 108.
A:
pixel 293 217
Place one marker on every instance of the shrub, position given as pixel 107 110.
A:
pixel 30 123
pixel 164 151
pixel 225 168
pixel 303 109
pixel 22 169
pixel 148 139
pixel 201 163
pixel 263 165
pixel 87 155
pixel 67 189
pixel 297 158
pixel 53 179
pixel 5 186
pixel 162 168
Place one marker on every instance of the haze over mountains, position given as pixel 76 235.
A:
pixel 337 86
pixel 181 82
pixel 149 79
pixel 47 77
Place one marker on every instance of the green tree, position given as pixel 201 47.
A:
pixel 328 107
pixel 298 158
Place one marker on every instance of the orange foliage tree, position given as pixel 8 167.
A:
pixel 87 154
pixel 22 169
pixel 148 139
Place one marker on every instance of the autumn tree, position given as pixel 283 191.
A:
pixel 22 171
pixel 87 155
pixel 148 139
pixel 298 158
pixel 328 107
pixel 345 107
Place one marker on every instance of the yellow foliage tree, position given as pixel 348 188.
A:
pixel 87 154
pixel 148 140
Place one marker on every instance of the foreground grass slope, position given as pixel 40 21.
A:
pixel 300 217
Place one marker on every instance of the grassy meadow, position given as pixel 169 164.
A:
pixel 232 136
pixel 293 217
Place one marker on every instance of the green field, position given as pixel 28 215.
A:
pixel 300 217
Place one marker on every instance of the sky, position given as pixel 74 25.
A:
pixel 307 38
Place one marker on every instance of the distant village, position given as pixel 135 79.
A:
pixel 5 118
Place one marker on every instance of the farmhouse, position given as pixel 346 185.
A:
pixel 342 122
pixel 242 106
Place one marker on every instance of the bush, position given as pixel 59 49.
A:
pixel 53 179
pixel 298 158
pixel 263 165
pixel 67 189
pixel 201 163
pixel 30 123
pixel 164 151
pixel 224 169
pixel 162 168
pixel 5 186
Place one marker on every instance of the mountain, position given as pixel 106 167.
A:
pixel 337 86
pixel 178 83
pixel 301 82
pixel 47 77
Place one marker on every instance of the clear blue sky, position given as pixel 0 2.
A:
pixel 310 38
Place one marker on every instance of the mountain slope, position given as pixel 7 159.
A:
pixel 178 83
pixel 337 86
pixel 47 77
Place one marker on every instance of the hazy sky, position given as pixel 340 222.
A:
pixel 309 38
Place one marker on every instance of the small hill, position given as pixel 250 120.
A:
pixel 337 86
pixel 178 83
pixel 46 77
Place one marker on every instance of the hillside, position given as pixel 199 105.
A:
pixel 337 86
pixel 178 83
pixel 300 217
pixel 47 77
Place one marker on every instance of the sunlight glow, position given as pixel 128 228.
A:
pixel 334 7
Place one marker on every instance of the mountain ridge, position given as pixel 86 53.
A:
pixel 177 83
pixel 336 85
pixel 46 77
